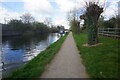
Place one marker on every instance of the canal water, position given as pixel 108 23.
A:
pixel 17 51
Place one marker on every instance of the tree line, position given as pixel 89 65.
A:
pixel 110 23
pixel 28 25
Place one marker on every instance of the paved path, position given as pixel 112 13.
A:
pixel 66 63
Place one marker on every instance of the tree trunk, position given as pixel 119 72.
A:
pixel 92 30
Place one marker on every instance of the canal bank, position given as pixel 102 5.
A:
pixel 36 66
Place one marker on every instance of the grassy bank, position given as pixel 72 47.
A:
pixel 100 61
pixel 35 67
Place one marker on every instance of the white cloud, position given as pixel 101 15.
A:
pixel 8 15
pixel 65 5
pixel 39 6
pixel 59 20
pixel 111 10
pixel 40 9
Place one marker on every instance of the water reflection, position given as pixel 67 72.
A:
pixel 19 50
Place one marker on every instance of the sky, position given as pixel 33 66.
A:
pixel 55 9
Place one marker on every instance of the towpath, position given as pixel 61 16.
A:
pixel 66 63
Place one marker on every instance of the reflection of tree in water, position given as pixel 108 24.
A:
pixel 23 48
pixel 23 41
pixel 52 37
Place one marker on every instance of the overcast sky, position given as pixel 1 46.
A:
pixel 55 9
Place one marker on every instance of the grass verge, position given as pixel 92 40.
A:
pixel 35 67
pixel 100 61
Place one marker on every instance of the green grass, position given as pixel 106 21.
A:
pixel 100 61
pixel 36 66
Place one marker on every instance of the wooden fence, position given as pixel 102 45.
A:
pixel 110 32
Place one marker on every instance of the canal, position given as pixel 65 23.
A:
pixel 17 51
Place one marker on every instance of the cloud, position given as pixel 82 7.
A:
pixel 58 20
pixel 39 6
pixel 5 14
pixel 40 9
pixel 65 5
pixel 111 10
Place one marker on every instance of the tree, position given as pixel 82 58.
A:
pixel 48 21
pixel 91 17
pixel 27 18
pixel 75 26
pixel 101 22
pixel 111 23
pixel 16 25
pixel 73 21
pixel 39 28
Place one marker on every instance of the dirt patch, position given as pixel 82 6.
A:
pixel 86 45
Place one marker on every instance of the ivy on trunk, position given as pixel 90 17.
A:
pixel 91 17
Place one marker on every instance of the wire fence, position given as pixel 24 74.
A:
pixel 110 32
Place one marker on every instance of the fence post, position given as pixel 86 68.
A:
pixel 98 31
pixel 109 32
pixel 103 32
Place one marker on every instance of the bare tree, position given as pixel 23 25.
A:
pixel 27 18
pixel 48 21
pixel 91 16
pixel 74 22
